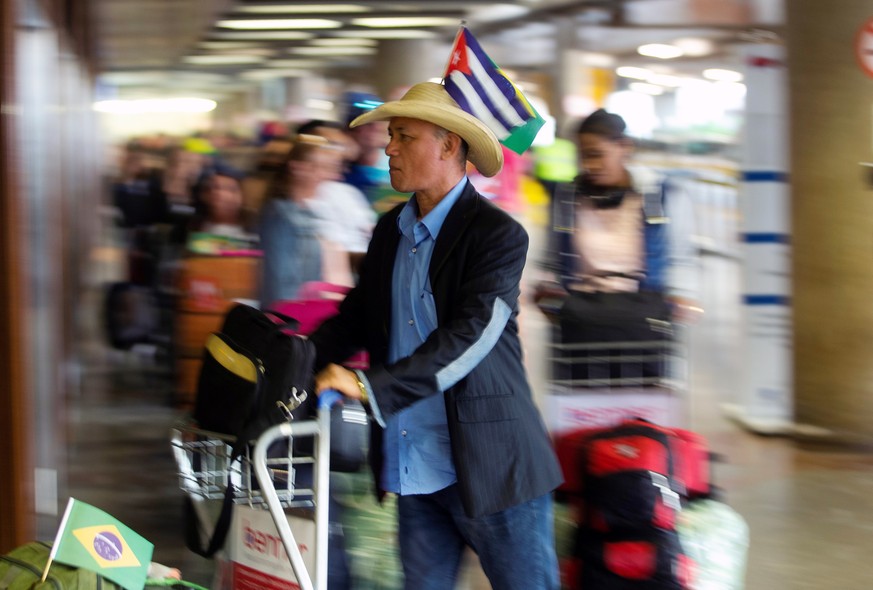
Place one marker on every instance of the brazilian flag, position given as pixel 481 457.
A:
pixel 91 539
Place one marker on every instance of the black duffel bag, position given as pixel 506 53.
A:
pixel 613 338
pixel 255 374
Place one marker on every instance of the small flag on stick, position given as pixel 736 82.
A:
pixel 481 88
pixel 91 539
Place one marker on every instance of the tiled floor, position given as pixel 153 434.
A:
pixel 810 511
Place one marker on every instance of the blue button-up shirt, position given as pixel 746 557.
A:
pixel 417 450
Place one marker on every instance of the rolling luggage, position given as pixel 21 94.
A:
pixel 208 287
pixel 628 486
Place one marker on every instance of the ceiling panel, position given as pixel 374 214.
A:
pixel 181 39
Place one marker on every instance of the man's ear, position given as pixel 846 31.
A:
pixel 451 145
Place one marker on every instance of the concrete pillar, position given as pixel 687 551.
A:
pixel 831 122
pixel 294 97
pixel 400 63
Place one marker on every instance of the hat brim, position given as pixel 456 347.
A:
pixel 484 150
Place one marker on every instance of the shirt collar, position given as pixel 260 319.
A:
pixel 434 220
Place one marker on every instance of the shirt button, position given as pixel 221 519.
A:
pixel 402 433
pixel 414 250
pixel 411 322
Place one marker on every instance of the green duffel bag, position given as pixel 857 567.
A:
pixel 21 569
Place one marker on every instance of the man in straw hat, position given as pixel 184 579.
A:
pixel 457 435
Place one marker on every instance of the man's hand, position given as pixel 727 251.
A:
pixel 339 378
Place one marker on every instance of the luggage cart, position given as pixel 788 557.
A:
pixel 266 483
pixel 595 384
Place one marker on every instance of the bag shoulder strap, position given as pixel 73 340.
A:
pixel 222 527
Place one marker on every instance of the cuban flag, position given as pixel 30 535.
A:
pixel 483 90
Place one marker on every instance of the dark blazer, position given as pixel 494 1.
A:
pixel 501 449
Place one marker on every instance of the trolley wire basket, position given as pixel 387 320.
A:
pixel 593 384
pixel 205 469
pixel 617 364
pixel 271 474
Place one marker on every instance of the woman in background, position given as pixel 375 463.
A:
pixel 288 227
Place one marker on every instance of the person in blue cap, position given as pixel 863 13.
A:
pixel 369 172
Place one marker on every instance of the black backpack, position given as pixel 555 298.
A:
pixel 256 373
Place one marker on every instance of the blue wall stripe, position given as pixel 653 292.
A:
pixel 766 300
pixel 763 176
pixel 765 238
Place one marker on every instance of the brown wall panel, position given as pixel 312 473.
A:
pixel 16 465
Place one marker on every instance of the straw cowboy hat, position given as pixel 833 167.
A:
pixel 429 101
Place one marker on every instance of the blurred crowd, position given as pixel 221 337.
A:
pixel 318 183
pixel 296 202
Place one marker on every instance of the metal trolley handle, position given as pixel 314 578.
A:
pixel 319 429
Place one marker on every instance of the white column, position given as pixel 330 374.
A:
pixel 766 401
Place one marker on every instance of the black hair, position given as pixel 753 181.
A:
pixel 603 123
pixel 222 169
pixel 309 127
pixel 463 148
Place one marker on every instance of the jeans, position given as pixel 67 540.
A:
pixel 516 546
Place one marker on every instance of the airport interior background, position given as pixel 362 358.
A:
pixel 760 108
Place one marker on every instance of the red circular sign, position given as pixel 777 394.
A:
pixel 864 47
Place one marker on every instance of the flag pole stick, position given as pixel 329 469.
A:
pixel 54 550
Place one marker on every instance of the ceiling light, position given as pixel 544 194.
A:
pixel 140 78
pixel 659 50
pixel 278 23
pixel 497 12
pixel 274 73
pixel 644 88
pixel 333 50
pixel 341 42
pixel 261 35
pixel 388 34
pixel 596 60
pixel 668 80
pixel 405 21
pixel 220 45
pixel 216 60
pixel 295 63
pixel 721 75
pixel 633 72
pixel 694 46
pixel 300 8
pixel 155 105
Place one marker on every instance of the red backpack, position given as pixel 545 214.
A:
pixel 626 484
